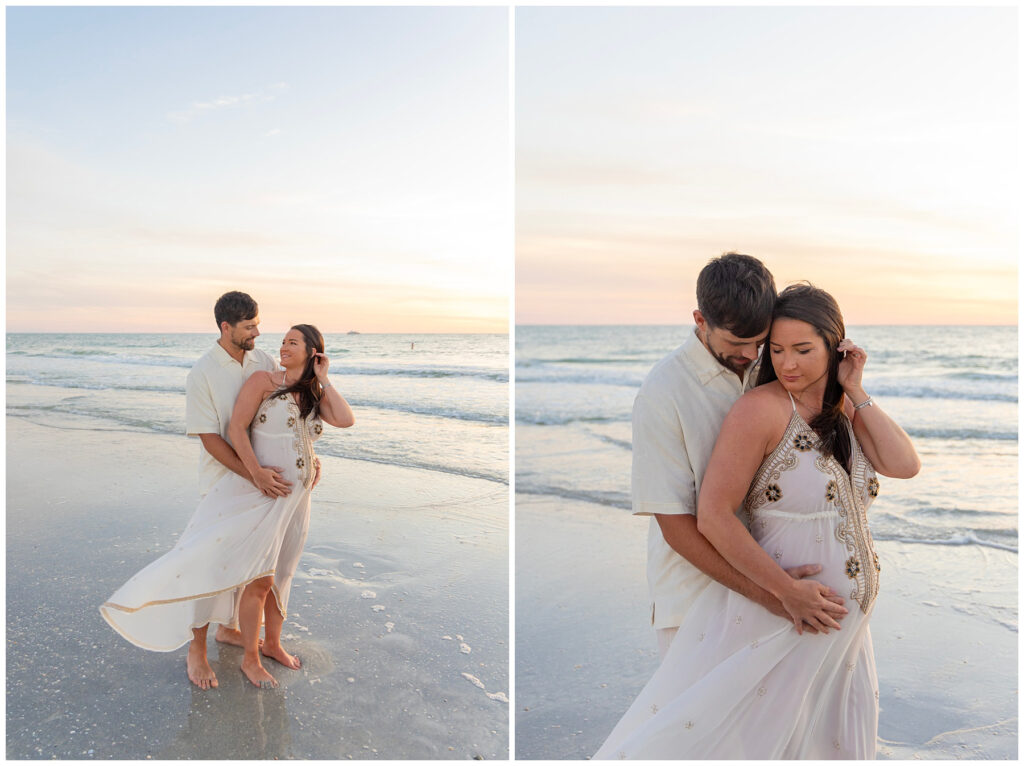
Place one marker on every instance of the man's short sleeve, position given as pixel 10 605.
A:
pixel 662 480
pixel 200 411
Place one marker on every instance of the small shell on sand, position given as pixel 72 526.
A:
pixel 390 626
pixel 361 566
pixel 464 648
pixel 499 696
pixel 367 594
pixel 446 638
pixel 377 607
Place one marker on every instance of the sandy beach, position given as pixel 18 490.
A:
pixel 944 631
pixel 398 611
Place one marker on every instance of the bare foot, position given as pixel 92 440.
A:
pixel 226 635
pixel 258 675
pixel 199 671
pixel 278 653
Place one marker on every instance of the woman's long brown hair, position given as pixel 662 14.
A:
pixel 307 386
pixel 820 310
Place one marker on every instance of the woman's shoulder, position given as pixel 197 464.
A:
pixel 262 381
pixel 765 407
pixel 768 396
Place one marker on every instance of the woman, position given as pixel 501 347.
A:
pixel 237 556
pixel 799 453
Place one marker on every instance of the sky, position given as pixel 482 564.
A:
pixel 348 167
pixel 871 151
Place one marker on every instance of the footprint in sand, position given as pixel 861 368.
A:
pixel 497 696
pixel 474 680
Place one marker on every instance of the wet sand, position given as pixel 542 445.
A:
pixel 944 632
pixel 401 594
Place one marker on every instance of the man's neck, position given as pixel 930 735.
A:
pixel 236 353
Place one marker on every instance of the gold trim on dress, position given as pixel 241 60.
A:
pixel 161 602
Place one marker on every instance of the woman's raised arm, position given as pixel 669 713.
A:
pixel 886 445
pixel 334 410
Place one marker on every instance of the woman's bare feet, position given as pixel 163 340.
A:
pixel 278 653
pixel 226 635
pixel 258 674
pixel 199 671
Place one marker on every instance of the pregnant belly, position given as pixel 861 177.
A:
pixel 293 467
pixel 813 541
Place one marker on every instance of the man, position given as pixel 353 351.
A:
pixel 676 418
pixel 210 392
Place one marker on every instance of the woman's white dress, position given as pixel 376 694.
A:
pixel 739 682
pixel 235 536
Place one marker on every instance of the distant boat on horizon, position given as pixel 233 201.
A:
pixel 352 332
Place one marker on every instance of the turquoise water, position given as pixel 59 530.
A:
pixel 953 389
pixel 441 405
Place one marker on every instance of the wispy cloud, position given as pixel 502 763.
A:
pixel 197 108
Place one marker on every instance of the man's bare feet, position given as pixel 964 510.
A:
pixel 278 653
pixel 232 636
pixel 258 675
pixel 199 671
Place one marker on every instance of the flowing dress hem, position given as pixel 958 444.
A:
pixel 232 623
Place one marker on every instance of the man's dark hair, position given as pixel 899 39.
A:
pixel 736 293
pixel 233 307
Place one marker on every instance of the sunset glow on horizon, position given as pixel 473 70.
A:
pixel 871 151
pixel 345 166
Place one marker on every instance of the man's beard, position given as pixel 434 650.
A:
pixel 733 364
pixel 246 344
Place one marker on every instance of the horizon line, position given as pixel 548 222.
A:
pixel 214 332
pixel 691 324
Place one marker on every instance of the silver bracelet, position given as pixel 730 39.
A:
pixel 866 403
pixel 328 384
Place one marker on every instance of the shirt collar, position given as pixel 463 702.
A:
pixel 707 367
pixel 226 359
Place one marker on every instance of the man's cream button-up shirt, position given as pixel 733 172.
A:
pixel 210 392
pixel 676 419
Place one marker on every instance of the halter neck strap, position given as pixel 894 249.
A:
pixel 791 401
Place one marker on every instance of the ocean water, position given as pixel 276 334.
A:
pixel 441 405
pixel 953 389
